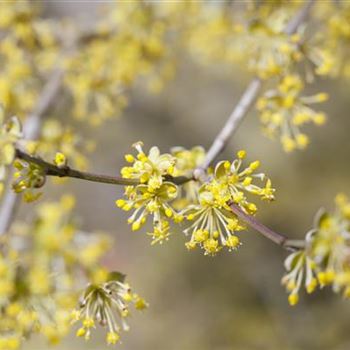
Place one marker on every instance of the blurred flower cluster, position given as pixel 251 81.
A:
pixel 205 205
pixel 283 111
pixel 40 286
pixel 325 260
pixel 28 50
pixel 105 303
pixel 129 43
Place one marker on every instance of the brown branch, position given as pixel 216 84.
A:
pixel 273 236
pixel 53 170
pixel 246 101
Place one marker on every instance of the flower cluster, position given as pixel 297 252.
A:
pixel 107 304
pixel 38 286
pixel 28 178
pixel 28 50
pixel 325 258
pixel 205 205
pixel 213 224
pixel 283 111
pixel 10 133
pixel 153 194
pixel 216 36
pixel 129 44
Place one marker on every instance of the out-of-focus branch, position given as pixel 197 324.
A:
pixel 246 101
pixel 31 131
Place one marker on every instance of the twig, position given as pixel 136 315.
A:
pixel 246 101
pixel 53 170
pixel 273 236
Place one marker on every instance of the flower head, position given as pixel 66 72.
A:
pixel 107 304
pixel 213 224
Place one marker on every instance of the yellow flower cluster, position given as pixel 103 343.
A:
pixel 27 50
pixel 213 223
pixel 218 36
pixel 325 259
pixel 128 44
pixel 44 279
pixel 10 133
pixel 27 179
pixel 107 304
pixel 206 204
pixel 153 195
pixel 283 111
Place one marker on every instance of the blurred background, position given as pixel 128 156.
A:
pixel 234 300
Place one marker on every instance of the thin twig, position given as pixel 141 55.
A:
pixel 246 101
pixel 273 236
pixel 53 170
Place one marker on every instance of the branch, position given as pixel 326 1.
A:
pixel 53 170
pixel 246 101
pixel 273 236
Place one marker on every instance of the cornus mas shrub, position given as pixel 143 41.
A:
pixel 49 266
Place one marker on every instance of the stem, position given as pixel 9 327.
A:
pixel 232 123
pixel 246 101
pixel 53 170
pixel 273 236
